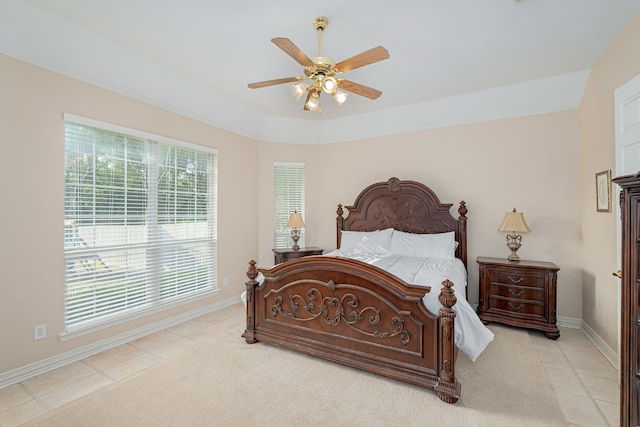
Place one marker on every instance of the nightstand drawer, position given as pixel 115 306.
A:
pixel 515 277
pixel 519 292
pixel 516 307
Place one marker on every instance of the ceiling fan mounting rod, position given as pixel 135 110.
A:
pixel 320 24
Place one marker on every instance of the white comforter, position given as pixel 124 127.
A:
pixel 471 336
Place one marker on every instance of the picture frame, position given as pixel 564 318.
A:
pixel 603 191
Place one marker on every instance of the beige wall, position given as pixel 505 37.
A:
pixel 531 163
pixel 619 64
pixel 32 104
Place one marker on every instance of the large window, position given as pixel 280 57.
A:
pixel 289 198
pixel 140 222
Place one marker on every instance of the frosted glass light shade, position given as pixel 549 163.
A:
pixel 313 104
pixel 298 90
pixel 340 96
pixel 329 85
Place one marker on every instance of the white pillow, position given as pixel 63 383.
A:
pixel 367 242
pixel 440 245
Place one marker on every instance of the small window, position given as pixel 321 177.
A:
pixel 288 198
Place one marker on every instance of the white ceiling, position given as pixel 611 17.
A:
pixel 451 61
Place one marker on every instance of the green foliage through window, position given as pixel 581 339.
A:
pixel 140 222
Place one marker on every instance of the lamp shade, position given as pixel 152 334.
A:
pixel 514 222
pixel 298 90
pixel 340 96
pixel 295 221
pixel 313 101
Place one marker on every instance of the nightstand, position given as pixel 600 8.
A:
pixel 285 254
pixel 519 294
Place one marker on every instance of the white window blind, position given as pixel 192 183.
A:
pixel 289 197
pixel 140 222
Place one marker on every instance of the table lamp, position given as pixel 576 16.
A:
pixel 514 223
pixel 295 223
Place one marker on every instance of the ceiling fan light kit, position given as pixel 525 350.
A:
pixel 321 72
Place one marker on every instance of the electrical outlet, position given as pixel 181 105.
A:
pixel 39 332
pixel 225 282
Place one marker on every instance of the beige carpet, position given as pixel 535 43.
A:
pixel 236 384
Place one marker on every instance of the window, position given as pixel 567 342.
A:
pixel 288 197
pixel 140 222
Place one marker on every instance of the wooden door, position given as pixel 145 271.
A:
pixel 630 318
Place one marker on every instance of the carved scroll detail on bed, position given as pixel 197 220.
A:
pixel 335 309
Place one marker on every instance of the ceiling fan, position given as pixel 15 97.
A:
pixel 321 73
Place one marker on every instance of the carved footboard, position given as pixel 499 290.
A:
pixel 350 312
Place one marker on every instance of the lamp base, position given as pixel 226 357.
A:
pixel 295 236
pixel 513 257
pixel 514 242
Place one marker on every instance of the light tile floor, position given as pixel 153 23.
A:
pixel 585 383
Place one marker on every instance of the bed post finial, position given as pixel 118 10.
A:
pixel 462 210
pixel 447 388
pixel 448 299
pixel 462 230
pixel 252 273
pixel 339 224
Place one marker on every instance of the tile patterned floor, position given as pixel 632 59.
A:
pixel 585 383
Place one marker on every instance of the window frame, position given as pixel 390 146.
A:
pixel 154 304
pixel 285 205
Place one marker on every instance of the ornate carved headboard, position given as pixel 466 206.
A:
pixel 407 206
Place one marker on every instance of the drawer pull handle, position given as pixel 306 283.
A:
pixel 515 294
pixel 518 280
pixel 516 308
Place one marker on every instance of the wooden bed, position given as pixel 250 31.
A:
pixel 356 314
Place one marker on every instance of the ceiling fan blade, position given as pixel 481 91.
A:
pixel 358 89
pixel 365 58
pixel 266 83
pixel 293 51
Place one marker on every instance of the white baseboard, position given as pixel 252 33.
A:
pixel 569 322
pixel 23 373
pixel 601 345
pixel 607 352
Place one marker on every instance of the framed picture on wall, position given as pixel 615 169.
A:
pixel 603 191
